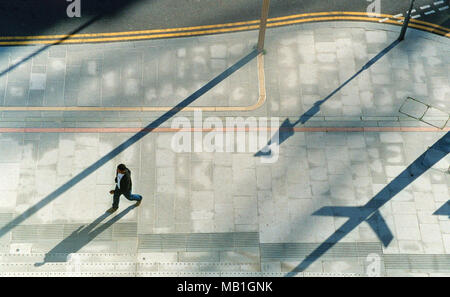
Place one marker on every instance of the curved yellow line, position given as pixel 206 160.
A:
pixel 206 32
pixel 370 19
pixel 369 14
pixel 431 25
pixel 195 28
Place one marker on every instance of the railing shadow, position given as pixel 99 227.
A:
pixel 126 144
pixel 81 237
pixel 286 129
pixel 370 211
pixel 444 210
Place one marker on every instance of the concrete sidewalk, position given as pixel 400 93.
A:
pixel 229 214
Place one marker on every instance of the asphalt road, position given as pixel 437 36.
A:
pixel 31 17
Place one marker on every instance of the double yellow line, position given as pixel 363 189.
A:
pixel 359 16
pixel 220 28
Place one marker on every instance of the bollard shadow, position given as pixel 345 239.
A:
pixel 370 211
pixel 286 129
pixel 444 210
pixel 126 144
pixel 81 237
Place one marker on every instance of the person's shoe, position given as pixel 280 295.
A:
pixel 111 210
pixel 138 203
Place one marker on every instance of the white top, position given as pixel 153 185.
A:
pixel 119 177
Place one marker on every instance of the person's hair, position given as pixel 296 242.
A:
pixel 122 167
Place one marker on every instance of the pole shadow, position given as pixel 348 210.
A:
pixel 24 19
pixel 286 129
pixel 444 210
pixel 81 237
pixel 42 49
pixel 370 211
pixel 31 18
pixel 126 144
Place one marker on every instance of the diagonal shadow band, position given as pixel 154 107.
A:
pixel 59 41
pixel 370 212
pixel 286 129
pixel 81 237
pixel 126 144
pixel 444 210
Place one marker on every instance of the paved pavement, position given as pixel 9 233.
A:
pixel 218 213
pixel 160 73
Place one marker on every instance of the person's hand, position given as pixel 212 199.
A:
pixel 111 192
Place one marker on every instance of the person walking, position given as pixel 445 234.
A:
pixel 123 187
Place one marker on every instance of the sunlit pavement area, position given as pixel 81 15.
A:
pixel 230 214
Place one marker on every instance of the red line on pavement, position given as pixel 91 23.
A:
pixel 246 129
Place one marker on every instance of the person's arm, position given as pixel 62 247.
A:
pixel 115 180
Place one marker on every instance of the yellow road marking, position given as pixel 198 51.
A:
pixel 370 19
pixel 130 38
pixel 215 31
pixel 131 32
pixel 247 25
pixel 369 14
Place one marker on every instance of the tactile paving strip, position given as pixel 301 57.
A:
pixel 30 233
pixel 198 241
pixel 298 251
pixel 433 263
pixel 170 274
pixel 5 218
pixel 27 233
pixel 132 265
pixel 122 230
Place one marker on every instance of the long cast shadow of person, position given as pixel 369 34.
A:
pixel 81 237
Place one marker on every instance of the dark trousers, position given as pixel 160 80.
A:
pixel 129 196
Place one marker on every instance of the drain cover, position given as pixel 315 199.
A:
pixel 425 113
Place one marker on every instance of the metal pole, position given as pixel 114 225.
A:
pixel 406 22
pixel 263 25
